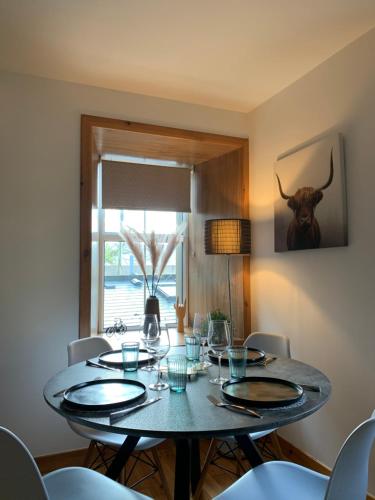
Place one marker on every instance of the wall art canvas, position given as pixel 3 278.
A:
pixel 310 194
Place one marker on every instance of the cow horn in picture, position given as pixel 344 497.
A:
pixel 282 194
pixel 330 175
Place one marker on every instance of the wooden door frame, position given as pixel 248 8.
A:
pixel 89 159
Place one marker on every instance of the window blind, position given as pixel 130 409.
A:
pixel 137 186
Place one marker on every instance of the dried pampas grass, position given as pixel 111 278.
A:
pixel 160 251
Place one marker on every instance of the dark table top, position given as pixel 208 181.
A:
pixel 190 414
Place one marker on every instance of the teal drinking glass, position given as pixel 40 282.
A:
pixel 193 346
pixel 177 372
pixel 237 361
pixel 130 353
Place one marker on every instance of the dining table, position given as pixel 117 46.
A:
pixel 189 416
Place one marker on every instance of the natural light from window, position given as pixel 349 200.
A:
pixel 123 288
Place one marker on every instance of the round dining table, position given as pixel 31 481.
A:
pixel 189 416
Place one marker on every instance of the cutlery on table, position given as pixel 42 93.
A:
pixel 60 393
pixel 307 387
pixel 269 360
pixel 115 416
pixel 217 402
pixel 98 365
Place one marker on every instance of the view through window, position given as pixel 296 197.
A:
pixel 123 288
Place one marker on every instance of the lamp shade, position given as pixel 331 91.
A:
pixel 227 236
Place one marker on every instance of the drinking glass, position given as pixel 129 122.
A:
pixel 200 328
pixel 237 361
pixel 218 341
pixel 130 353
pixel 192 343
pixel 177 372
pixel 159 348
pixel 148 329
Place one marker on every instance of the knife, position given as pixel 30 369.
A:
pixel 98 365
pixel 115 416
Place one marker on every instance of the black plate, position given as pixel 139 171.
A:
pixel 253 356
pixel 114 358
pixel 262 391
pixel 103 394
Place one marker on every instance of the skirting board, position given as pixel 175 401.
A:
pixel 48 463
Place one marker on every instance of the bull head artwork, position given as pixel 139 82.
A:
pixel 304 230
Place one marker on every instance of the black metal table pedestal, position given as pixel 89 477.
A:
pixel 250 450
pixel 122 456
pixel 182 470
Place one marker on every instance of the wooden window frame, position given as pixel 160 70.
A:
pixel 194 143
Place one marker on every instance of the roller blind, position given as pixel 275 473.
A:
pixel 136 186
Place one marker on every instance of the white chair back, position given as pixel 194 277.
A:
pixel 82 349
pixel 349 478
pixel 19 475
pixel 269 342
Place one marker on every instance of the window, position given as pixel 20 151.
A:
pixel 122 289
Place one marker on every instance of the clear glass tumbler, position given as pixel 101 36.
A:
pixel 193 346
pixel 130 354
pixel 177 372
pixel 237 361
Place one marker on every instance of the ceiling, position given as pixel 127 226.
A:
pixel 226 54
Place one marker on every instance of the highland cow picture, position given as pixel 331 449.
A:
pixel 310 197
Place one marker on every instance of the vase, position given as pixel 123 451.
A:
pixel 152 306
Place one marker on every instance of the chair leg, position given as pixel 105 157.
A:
pixel 209 456
pixel 276 445
pixel 163 478
pixel 89 453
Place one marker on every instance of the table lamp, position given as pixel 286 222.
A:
pixel 227 237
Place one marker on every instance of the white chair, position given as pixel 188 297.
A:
pixel 287 481
pixel 278 345
pixel 20 478
pixel 80 350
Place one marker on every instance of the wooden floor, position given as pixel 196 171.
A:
pixel 215 482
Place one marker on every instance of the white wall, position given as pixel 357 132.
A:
pixel 39 251
pixel 323 299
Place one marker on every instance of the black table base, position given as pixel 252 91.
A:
pixel 250 450
pixel 122 456
pixel 187 466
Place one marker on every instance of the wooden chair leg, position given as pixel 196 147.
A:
pixel 209 456
pixel 276 445
pixel 122 477
pixel 89 454
pixel 163 478
pixel 239 467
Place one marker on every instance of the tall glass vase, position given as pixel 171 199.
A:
pixel 152 306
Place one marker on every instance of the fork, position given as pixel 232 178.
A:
pixel 266 361
pixel 219 403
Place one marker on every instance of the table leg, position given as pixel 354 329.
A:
pixel 250 450
pixel 182 470
pixel 195 461
pixel 122 456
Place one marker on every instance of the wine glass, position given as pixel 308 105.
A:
pixel 149 330
pixel 159 348
pixel 218 341
pixel 200 329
